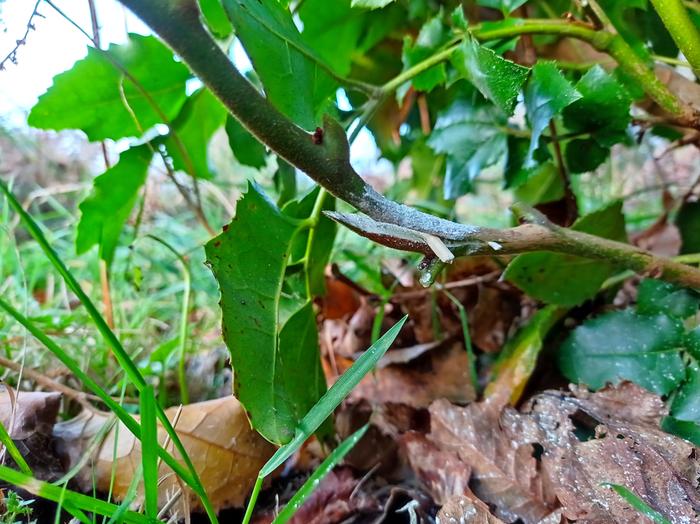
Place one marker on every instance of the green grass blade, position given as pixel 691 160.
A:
pixel 637 503
pixel 74 368
pixel 149 451
pixel 192 479
pixel 13 451
pixel 71 499
pixel 313 481
pixel 325 407
pixel 464 320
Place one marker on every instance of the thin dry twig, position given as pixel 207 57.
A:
pixel 12 55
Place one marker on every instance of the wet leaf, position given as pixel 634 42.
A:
pixel 624 345
pixel 226 453
pixel 498 79
pixel 656 296
pixel 89 95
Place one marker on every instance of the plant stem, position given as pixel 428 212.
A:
pixel 328 163
pixel 683 31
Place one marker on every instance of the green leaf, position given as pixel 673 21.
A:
pixel 656 296
pixel 89 95
pixel 246 148
pixel 603 110
pixel 515 173
pixel 215 17
pixel 332 30
pixel 371 4
pixel 431 36
pixel 688 223
pixel 335 457
pixel 547 93
pixel 106 209
pixel 505 6
pixel 690 431
pixel 290 72
pixel 692 342
pixel 568 280
pixel 473 138
pixel 583 155
pixel 149 451
pixel 686 402
pixel 642 507
pixel 268 351
pixel 325 407
pixel 192 130
pixel 624 345
pixel 498 79
pixel 542 185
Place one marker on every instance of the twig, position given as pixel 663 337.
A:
pixel 12 55
pixel 569 197
pixel 48 383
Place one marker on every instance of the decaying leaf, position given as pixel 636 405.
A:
pixel 28 417
pixel 554 459
pixel 465 510
pixel 226 452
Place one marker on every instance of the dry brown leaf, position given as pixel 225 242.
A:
pixel 500 454
pixel 29 418
pixel 226 453
pixel 525 465
pixel 627 448
pixel 465 510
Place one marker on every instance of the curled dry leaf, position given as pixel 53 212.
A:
pixel 465 510
pixel 29 418
pixel 226 453
pixel 554 459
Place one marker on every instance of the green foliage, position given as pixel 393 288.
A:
pixel 245 147
pixel 291 73
pixel 105 210
pixel 498 79
pixel 688 222
pixel 505 6
pixel 546 95
pixel 472 138
pixel 14 509
pixel 431 37
pixel 96 95
pixel 191 132
pixel 270 338
pixel 541 275
pixel 655 296
pixel 371 4
pixel 624 345
pixel 642 507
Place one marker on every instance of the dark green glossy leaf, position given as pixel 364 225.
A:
pixel 89 95
pixel 690 431
pixel 201 116
pixel 656 296
pixel 692 342
pixel 515 173
pixel 688 223
pixel 584 155
pixel 246 148
pixel 294 82
pixel 624 345
pixel 568 280
pixel 505 6
pixel 686 402
pixel 285 180
pixel 547 94
pixel 473 138
pixel 103 213
pixel 603 110
pixel 498 79
pixel 269 343
pixel 215 17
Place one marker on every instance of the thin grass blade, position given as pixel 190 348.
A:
pixel 149 451
pixel 317 476
pixel 638 504
pixel 13 451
